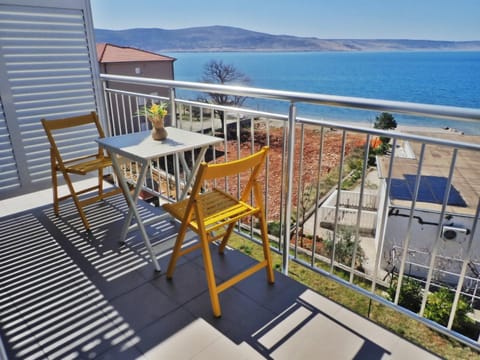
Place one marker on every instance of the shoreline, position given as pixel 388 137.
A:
pixel 411 128
pixel 403 128
pixel 400 128
pixel 445 130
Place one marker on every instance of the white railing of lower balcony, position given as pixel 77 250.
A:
pixel 373 220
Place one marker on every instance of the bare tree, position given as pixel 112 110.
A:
pixel 217 72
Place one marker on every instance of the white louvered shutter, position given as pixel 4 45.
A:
pixel 48 70
pixel 9 178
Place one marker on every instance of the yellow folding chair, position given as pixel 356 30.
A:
pixel 213 215
pixel 70 163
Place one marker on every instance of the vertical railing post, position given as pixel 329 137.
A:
pixel 300 191
pixel 104 115
pixel 173 109
pixel 383 216
pixel 337 203
pixel 288 180
pixel 463 270
pixel 173 123
pixel 436 244
pixel 408 237
pixel 360 206
pixel 317 197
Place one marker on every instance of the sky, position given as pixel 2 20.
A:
pixel 457 20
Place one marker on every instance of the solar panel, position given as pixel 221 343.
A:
pixel 432 190
pixel 400 190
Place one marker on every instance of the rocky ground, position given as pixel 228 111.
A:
pixel 309 149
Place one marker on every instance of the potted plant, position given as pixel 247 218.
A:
pixel 156 115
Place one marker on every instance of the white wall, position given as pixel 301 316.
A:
pixel 425 237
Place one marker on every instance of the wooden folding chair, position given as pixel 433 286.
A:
pixel 68 161
pixel 213 215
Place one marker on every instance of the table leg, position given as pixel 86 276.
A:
pixel 132 206
pixel 132 201
pixel 193 172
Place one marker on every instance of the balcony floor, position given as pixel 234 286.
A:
pixel 69 295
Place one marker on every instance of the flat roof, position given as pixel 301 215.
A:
pixel 465 192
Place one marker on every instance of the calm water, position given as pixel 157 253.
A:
pixel 443 78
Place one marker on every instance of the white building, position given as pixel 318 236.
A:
pixel 436 232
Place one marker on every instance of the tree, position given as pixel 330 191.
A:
pixel 217 72
pixel 385 121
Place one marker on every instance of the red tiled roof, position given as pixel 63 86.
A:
pixel 109 53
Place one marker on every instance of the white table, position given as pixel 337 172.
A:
pixel 140 147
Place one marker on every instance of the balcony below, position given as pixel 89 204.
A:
pixel 71 295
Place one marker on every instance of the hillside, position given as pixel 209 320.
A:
pixel 225 38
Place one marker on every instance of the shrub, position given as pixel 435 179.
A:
pixel 439 305
pixel 274 228
pixel 352 179
pixel 410 294
pixel 344 247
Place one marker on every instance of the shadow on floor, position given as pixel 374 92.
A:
pixel 68 294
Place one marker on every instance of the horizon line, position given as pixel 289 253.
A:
pixel 296 36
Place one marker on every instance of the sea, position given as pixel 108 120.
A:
pixel 441 78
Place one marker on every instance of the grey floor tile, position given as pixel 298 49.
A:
pixel 143 305
pixel 275 297
pixel 122 353
pixel 187 283
pixel 158 339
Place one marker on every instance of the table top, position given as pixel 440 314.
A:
pixel 140 146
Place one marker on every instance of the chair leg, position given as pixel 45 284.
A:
pixel 176 250
pixel 54 183
pixel 225 238
pixel 212 285
pixel 266 248
pixel 76 200
pixel 100 182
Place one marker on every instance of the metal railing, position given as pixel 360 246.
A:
pixel 419 201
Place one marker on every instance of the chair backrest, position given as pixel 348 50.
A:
pixel 74 137
pixel 252 163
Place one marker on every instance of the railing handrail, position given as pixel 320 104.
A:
pixel 318 122
pixel 438 111
pixel 211 106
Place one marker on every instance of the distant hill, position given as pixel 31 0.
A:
pixel 225 38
